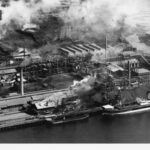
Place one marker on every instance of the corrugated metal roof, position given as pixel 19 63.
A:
pixel 87 46
pixel 77 48
pixel 96 46
pixel 82 48
pixel 7 71
pixel 115 68
pixel 72 49
pixel 142 70
pixel 67 51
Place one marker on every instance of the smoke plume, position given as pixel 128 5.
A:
pixel 87 20
pixel 92 19
pixel 23 12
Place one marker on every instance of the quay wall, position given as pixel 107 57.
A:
pixel 18 120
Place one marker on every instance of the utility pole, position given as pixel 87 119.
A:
pixel 21 74
pixel 1 13
pixel 129 73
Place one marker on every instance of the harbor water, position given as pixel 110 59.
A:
pixel 98 129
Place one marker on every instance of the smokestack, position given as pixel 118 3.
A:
pixel 105 49
pixel 1 14
pixel 21 82
pixel 129 65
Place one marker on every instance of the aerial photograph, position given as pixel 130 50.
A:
pixel 74 71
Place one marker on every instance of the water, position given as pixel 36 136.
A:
pixel 121 129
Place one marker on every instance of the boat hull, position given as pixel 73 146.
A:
pixel 127 111
pixel 74 119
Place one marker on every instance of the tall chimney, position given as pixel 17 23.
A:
pixel 21 82
pixel 105 49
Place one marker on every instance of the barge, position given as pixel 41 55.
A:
pixel 67 119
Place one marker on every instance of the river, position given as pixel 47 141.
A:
pixel 98 129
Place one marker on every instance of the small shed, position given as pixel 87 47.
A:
pixel 143 73
pixel 115 70
pixel 7 71
pixel 21 53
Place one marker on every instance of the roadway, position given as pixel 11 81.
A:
pixel 5 117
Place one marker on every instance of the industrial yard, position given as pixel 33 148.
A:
pixel 61 62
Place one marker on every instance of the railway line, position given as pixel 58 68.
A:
pixel 15 101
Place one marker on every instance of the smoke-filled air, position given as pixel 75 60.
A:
pixel 118 18
pixel 89 20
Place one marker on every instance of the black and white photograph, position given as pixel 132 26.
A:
pixel 74 72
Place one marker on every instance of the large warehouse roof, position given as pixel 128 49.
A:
pixel 80 49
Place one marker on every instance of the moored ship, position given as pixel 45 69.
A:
pixel 130 96
pixel 130 101
pixel 125 110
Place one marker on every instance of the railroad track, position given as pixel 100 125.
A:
pixel 18 100
pixel 35 93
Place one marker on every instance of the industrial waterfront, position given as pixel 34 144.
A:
pixel 100 130
pixel 70 75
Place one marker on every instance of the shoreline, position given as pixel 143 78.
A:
pixel 11 121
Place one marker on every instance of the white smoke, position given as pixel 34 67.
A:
pixel 134 40
pixel 99 16
pixel 94 19
pixel 23 12
pixel 84 86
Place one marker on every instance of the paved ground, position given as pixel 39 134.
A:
pixel 33 96
pixel 13 116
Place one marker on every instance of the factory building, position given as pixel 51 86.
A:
pixel 21 53
pixel 134 63
pixel 143 73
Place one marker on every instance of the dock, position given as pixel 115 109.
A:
pixel 16 120
pixel 20 119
